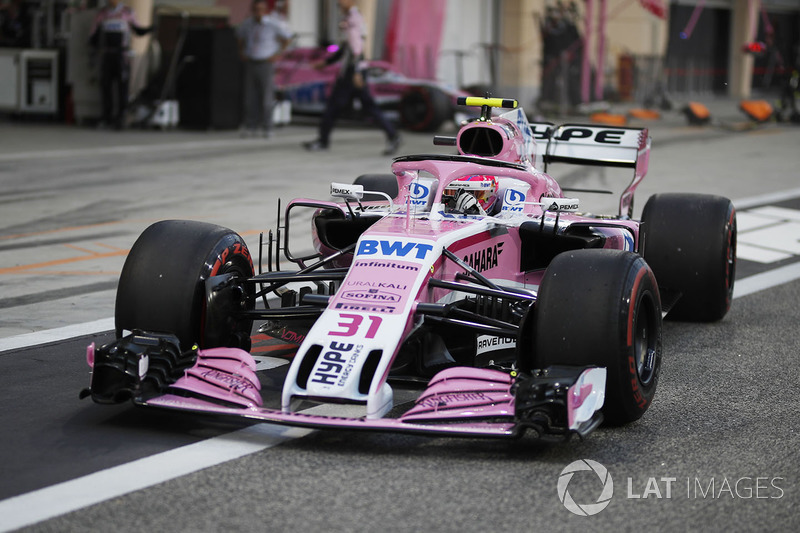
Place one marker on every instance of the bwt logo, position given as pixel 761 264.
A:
pixel 419 191
pixel 394 248
pixel 419 194
pixel 595 468
pixel 513 200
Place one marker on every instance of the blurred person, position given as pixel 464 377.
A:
pixel 12 28
pixel 111 36
pixel 262 39
pixel 560 42
pixel 790 84
pixel 351 82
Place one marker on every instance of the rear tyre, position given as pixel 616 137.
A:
pixel 690 243
pixel 162 285
pixel 602 307
pixel 424 108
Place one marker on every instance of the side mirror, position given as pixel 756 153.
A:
pixel 347 191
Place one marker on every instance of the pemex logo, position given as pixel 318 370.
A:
pixel 585 509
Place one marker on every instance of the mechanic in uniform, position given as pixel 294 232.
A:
pixel 262 39
pixel 111 36
pixel 351 83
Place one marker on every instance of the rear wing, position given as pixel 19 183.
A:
pixel 609 146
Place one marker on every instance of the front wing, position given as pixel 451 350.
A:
pixel 553 403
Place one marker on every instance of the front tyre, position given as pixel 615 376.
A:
pixel 162 285
pixel 602 308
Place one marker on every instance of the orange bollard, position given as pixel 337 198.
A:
pixel 758 110
pixel 697 114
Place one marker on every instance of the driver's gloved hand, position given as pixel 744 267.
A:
pixel 468 204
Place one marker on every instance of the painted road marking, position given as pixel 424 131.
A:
pixel 768 234
pixel 766 280
pixel 768 198
pixel 58 262
pixel 55 500
pixel 26 340
pixel 136 149
pixel 772 211
pixel 749 221
pixel 758 254
pixel 264 362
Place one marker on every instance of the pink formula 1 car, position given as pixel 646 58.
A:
pixel 417 105
pixel 463 294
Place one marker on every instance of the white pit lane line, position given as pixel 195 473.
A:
pixel 49 502
pixel 57 334
pixel 135 149
pixel 766 280
pixel 44 504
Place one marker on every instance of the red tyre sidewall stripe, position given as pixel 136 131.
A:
pixel 634 298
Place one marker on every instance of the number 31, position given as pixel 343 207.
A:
pixel 351 323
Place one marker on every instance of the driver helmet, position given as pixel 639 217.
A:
pixel 483 188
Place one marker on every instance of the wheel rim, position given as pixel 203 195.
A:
pixel 645 343
pixel 239 273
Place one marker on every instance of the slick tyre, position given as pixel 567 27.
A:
pixel 690 243
pixel 602 308
pixel 424 108
pixel 162 285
